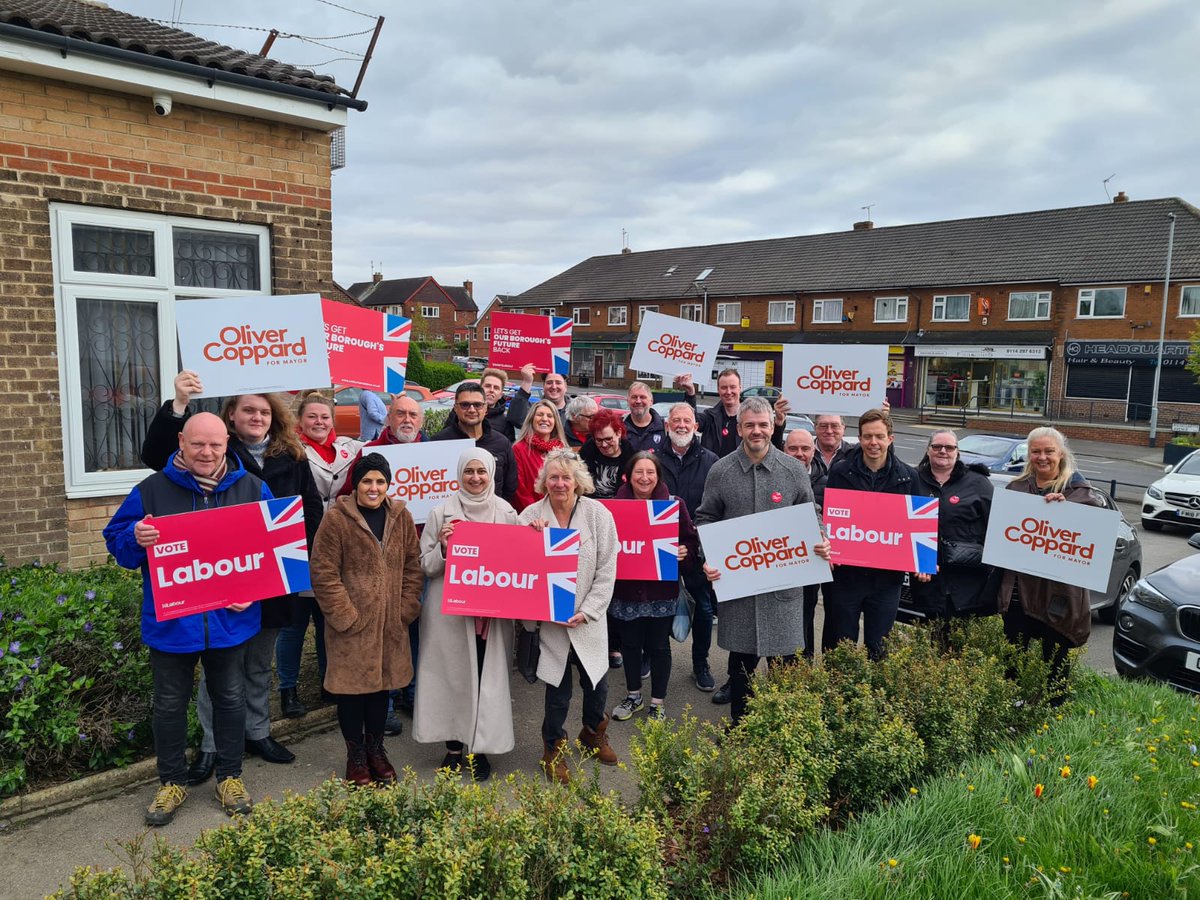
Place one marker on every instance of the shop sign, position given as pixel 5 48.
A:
pixel 756 348
pixel 1126 353
pixel 993 351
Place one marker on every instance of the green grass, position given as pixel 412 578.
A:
pixel 1135 833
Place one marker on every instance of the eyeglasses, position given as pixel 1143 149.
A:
pixel 830 426
pixel 605 440
pixel 943 448
pixel 464 404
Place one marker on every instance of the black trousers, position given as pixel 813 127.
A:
pixel 360 714
pixel 651 634
pixel 480 650
pixel 810 615
pixel 877 605
pixel 558 701
pixel 741 670
pixel 1022 629
pixel 174 674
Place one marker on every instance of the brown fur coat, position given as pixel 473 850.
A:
pixel 369 592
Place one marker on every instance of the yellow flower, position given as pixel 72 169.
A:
pixel 973 841
pixel 1005 859
pixel 1137 777
pixel 893 863
pixel 1151 841
pixel 1020 839
pixel 1065 771
pixel 1187 846
pixel 1187 805
pixel 1067 758
pixel 1038 789
pixel 1092 781
pixel 1066 870
pixel 913 791
pixel 970 787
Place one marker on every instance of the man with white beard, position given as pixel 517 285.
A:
pixel 685 466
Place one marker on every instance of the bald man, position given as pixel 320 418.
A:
pixel 197 476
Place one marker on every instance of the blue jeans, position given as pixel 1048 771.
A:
pixel 290 645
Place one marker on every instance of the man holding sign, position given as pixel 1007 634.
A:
pixel 198 476
pixel 755 478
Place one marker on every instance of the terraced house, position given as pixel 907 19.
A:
pixel 138 163
pixel 1052 313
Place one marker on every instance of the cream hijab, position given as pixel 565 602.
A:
pixel 483 507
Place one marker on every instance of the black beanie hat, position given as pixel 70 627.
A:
pixel 372 462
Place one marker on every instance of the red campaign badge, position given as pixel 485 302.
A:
pixel 724 432
pixel 345 453
pixel 954 499
pixel 777 497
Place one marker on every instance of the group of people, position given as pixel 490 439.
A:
pixel 377 576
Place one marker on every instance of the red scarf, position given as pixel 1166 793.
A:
pixel 543 446
pixel 326 450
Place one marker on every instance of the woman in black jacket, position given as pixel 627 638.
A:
pixel 963 585
pixel 262 434
pixel 873 594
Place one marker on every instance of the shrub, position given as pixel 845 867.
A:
pixel 435 420
pixel 445 839
pixel 441 374
pixel 75 681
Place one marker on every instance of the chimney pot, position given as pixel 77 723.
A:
pixel 1121 197
pixel 865 225
pixel 377 277
pixel 469 287
pixel 625 250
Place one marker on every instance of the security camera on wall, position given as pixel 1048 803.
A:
pixel 162 104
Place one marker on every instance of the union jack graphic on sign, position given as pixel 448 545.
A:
pixel 560 344
pixel 396 334
pixel 882 531
pixel 290 558
pixel 646 525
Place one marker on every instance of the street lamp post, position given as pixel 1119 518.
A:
pixel 1162 334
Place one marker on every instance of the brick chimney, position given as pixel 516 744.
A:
pixel 1121 197
pixel 469 287
pixel 865 225
pixel 377 277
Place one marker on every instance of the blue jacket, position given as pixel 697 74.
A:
pixel 175 491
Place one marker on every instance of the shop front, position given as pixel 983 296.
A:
pixel 996 376
pixel 1123 372
pixel 598 363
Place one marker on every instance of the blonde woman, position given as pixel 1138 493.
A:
pixel 541 433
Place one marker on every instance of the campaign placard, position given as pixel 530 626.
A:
pixel 1066 542
pixel 882 531
pixel 253 345
pixel 671 346
pixel 211 558
pixel 511 572
pixel 834 379
pixel 367 348
pixel 518 340
pixel 424 474
pixel 767 551
pixel 648 531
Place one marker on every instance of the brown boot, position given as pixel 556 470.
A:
pixel 377 760
pixel 357 772
pixel 554 762
pixel 597 742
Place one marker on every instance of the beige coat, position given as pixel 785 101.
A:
pixel 598 549
pixel 369 593
pixel 454 701
pixel 329 477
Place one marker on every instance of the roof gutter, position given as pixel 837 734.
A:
pixel 66 45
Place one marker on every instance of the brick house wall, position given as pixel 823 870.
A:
pixel 105 149
pixel 431 295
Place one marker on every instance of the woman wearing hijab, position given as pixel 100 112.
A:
pixel 366 574
pixel 463 693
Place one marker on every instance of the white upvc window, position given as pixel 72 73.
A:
pixel 117 275
pixel 431 312
pixel 549 311
pixel 891 309
pixel 1028 305
pixel 689 311
pixel 1101 303
pixel 827 311
pixel 642 310
pixel 729 313
pixel 781 312
pixel 1189 300
pixel 617 315
pixel 952 308
pixel 581 315
pixel 487 333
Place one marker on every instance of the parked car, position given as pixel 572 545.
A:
pixel 999 452
pixel 345 414
pixel 1158 626
pixel 1174 498
pixel 765 391
pixel 1123 574
pixel 612 401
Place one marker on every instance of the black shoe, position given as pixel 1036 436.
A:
pixel 291 705
pixel 615 660
pixel 270 750
pixel 392 726
pixel 452 762
pixel 202 767
pixel 480 767
pixel 721 694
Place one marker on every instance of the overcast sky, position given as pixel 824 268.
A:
pixel 506 141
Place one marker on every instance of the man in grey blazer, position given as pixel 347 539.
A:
pixel 755 478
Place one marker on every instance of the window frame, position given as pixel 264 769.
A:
pixel 790 314
pixel 431 312
pixel 576 321
pixel 1183 289
pixel 1080 314
pixel 71 285
pixel 901 304
pixel 1038 296
pixel 642 310
pixel 943 298
pixel 549 310
pixel 621 320
pixel 821 302
pixel 736 305
pixel 487 333
pixel 695 308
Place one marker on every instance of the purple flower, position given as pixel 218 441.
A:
pixel 13 582
pixel 21 684
pixel 83 737
pixel 18 618
pixel 37 563
pixel 1 653
pixel 60 599
pixel 705 829
pixel 14 647
pixel 117 645
pixel 129 735
pixel 37 661
pixel 89 595
pixel 1 615
pixel 87 627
